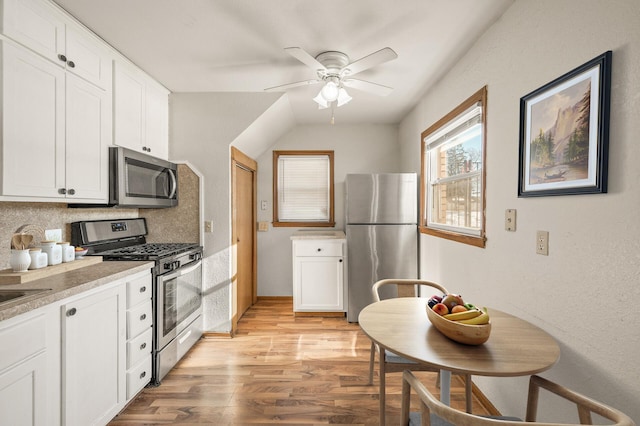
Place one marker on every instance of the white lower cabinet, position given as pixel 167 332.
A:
pixel 139 333
pixel 318 275
pixel 93 356
pixel 24 383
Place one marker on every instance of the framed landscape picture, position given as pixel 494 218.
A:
pixel 564 133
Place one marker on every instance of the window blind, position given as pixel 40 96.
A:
pixel 303 188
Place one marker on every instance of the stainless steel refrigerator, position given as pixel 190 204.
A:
pixel 382 233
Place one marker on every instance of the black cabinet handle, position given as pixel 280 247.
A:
pixel 143 289
pixel 319 249
pixel 71 64
pixel 71 191
pixel 340 260
pixel 144 373
pixel 62 191
pixel 143 317
pixel 144 345
pixel 71 312
pixel 62 58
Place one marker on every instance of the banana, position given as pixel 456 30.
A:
pixel 483 318
pixel 465 315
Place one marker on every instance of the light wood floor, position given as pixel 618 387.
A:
pixel 278 369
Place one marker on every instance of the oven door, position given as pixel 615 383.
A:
pixel 178 302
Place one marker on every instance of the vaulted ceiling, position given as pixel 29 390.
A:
pixel 238 45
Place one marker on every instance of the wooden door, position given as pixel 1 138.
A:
pixel 244 171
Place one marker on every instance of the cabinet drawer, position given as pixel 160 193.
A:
pixel 138 377
pixel 138 319
pixel 318 248
pixel 138 290
pixel 21 338
pixel 138 348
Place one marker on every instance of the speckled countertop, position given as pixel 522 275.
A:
pixel 67 284
pixel 318 235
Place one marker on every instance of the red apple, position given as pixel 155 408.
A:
pixel 451 300
pixel 440 309
pixel 458 308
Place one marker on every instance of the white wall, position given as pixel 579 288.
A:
pixel 202 127
pixel 357 149
pixel 585 293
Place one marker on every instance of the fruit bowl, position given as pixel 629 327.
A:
pixel 462 333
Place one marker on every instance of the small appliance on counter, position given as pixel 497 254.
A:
pixel 177 282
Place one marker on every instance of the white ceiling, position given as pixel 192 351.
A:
pixel 238 46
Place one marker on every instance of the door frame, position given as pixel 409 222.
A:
pixel 239 159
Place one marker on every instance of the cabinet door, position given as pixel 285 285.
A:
pixel 35 25
pixel 87 58
pixel 157 121
pixel 87 143
pixel 93 370
pixel 318 284
pixel 129 98
pixel 33 147
pixel 23 393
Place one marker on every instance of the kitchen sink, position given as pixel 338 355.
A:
pixel 12 295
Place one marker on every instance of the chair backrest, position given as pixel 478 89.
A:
pixel 432 406
pixel 410 287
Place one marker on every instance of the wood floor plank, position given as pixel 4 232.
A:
pixel 278 369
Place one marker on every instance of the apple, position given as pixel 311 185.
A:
pixel 437 298
pixel 469 306
pixel 451 300
pixel 458 308
pixel 440 309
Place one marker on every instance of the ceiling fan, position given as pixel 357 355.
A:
pixel 334 70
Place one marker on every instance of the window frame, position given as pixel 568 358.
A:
pixel 451 233
pixel 276 219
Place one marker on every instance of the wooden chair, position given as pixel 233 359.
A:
pixel 392 363
pixel 435 413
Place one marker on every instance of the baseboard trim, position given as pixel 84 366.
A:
pixel 276 298
pixel 216 335
pixel 320 314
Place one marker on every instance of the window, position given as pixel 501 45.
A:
pixel 303 188
pixel 453 174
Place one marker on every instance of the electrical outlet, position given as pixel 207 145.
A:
pixel 53 234
pixel 208 226
pixel 263 204
pixel 510 220
pixel 542 243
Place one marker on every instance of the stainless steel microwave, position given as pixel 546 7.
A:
pixel 139 180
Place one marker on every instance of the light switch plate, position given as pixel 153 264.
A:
pixel 263 226
pixel 53 235
pixel 510 220
pixel 208 226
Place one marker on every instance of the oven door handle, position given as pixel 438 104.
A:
pixel 181 271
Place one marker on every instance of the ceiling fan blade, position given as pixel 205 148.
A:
pixel 292 85
pixel 367 86
pixel 301 55
pixel 379 57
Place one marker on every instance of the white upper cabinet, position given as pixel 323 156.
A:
pixel 141 108
pixel 48 32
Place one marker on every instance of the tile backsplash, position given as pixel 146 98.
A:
pixel 13 215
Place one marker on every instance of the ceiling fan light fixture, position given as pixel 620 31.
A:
pixel 343 97
pixel 321 101
pixel 330 91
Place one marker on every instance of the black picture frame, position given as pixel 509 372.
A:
pixel 564 133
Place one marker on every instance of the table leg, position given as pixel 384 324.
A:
pixel 382 387
pixel 445 387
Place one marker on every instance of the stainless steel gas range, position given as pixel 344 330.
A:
pixel 177 282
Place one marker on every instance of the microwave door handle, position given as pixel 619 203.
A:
pixel 174 184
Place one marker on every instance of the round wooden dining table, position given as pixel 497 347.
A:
pixel 515 346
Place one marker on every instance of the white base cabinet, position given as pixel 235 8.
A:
pixel 93 356
pixel 318 275
pixel 25 388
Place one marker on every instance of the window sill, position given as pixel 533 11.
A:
pixel 453 236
